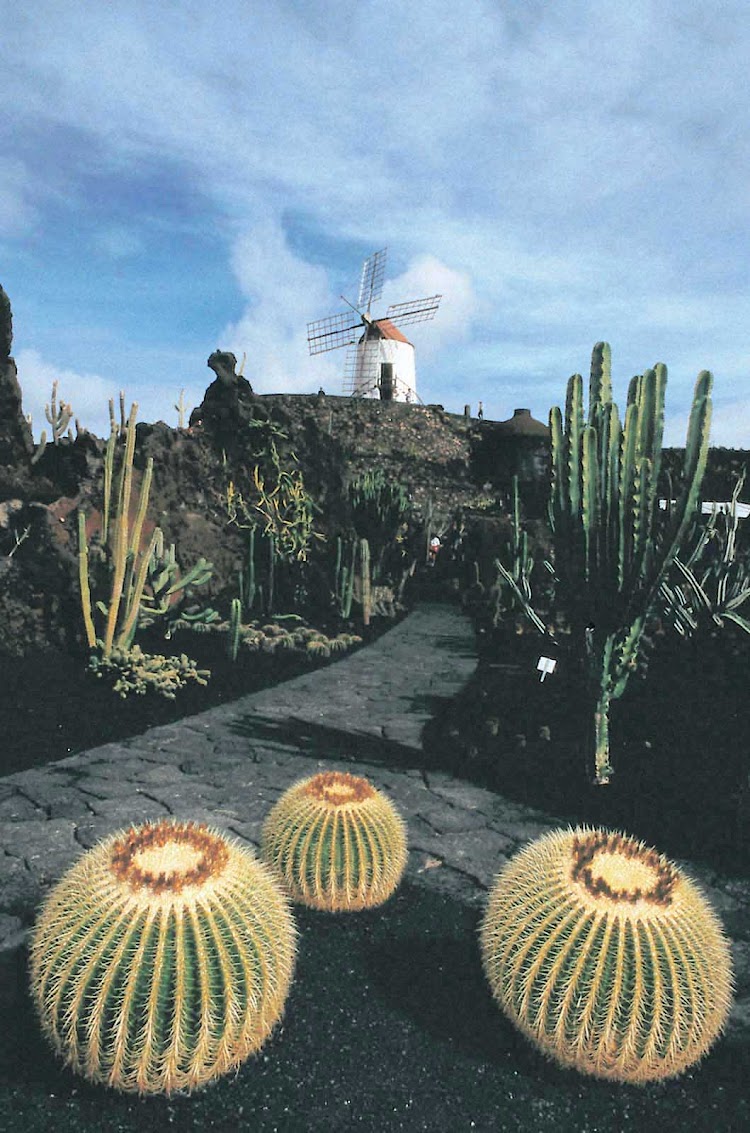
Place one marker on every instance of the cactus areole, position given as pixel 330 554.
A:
pixel 607 956
pixel 162 959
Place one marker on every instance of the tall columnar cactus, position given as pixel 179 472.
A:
pixel 365 580
pixel 336 842
pixel 235 625
pixel 128 561
pixel 162 959
pixel 612 550
pixel 607 956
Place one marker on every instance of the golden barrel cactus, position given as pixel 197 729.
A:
pixel 607 956
pixel 162 958
pixel 337 842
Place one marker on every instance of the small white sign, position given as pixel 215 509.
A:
pixel 545 665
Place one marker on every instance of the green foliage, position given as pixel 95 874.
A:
pixel 711 582
pixel 162 959
pixel 120 556
pixel 612 546
pixel 277 502
pixel 606 956
pixel 130 670
pixel 143 584
pixel 515 577
pixel 166 590
pixel 379 507
pixel 235 624
pixel 336 843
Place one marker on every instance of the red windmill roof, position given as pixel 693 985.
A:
pixel 390 330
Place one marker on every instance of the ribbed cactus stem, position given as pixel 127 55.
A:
pixel 83 579
pixel 611 549
pixel 609 958
pixel 336 842
pixel 235 624
pixel 366 580
pixel 162 959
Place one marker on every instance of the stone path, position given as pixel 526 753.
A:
pixel 228 766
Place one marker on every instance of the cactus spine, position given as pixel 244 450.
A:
pixel 606 956
pixel 162 959
pixel 611 552
pixel 336 842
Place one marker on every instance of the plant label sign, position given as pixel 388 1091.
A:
pixel 545 665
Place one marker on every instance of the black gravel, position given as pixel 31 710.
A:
pixel 389 1026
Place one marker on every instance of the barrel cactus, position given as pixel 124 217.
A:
pixel 607 956
pixel 162 958
pixel 337 842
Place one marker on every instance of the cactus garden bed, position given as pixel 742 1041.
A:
pixel 680 743
pixel 52 706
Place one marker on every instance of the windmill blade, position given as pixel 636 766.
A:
pixel 371 280
pixel 337 330
pixel 415 311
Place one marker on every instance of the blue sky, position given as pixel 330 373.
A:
pixel 178 177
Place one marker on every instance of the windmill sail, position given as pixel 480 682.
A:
pixel 382 363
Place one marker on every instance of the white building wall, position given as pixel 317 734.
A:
pixel 370 355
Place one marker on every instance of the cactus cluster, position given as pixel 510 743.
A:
pixel 133 671
pixel 336 842
pixel 607 956
pixel 162 959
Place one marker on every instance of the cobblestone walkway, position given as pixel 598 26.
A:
pixel 228 766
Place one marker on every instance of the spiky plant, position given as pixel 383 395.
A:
pixel 337 842
pixel 607 956
pixel 162 958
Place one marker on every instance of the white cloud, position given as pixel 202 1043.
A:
pixel 89 393
pixel 562 173
pixel 283 294
pixel 17 213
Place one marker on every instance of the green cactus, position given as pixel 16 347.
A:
pixel 513 591
pixel 130 670
pixel 711 582
pixel 365 580
pixel 379 506
pixel 128 562
pixel 247 586
pixel 166 588
pixel 611 550
pixel 613 547
pixel 336 842
pixel 162 959
pixel 235 625
pixel 606 956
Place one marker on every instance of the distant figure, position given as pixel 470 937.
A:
pixel 434 549
pixel 480 412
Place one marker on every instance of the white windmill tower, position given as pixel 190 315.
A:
pixel 381 363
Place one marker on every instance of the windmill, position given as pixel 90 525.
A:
pixel 380 361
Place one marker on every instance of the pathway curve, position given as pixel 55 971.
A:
pixel 227 767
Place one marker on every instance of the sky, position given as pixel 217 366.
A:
pixel 182 177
